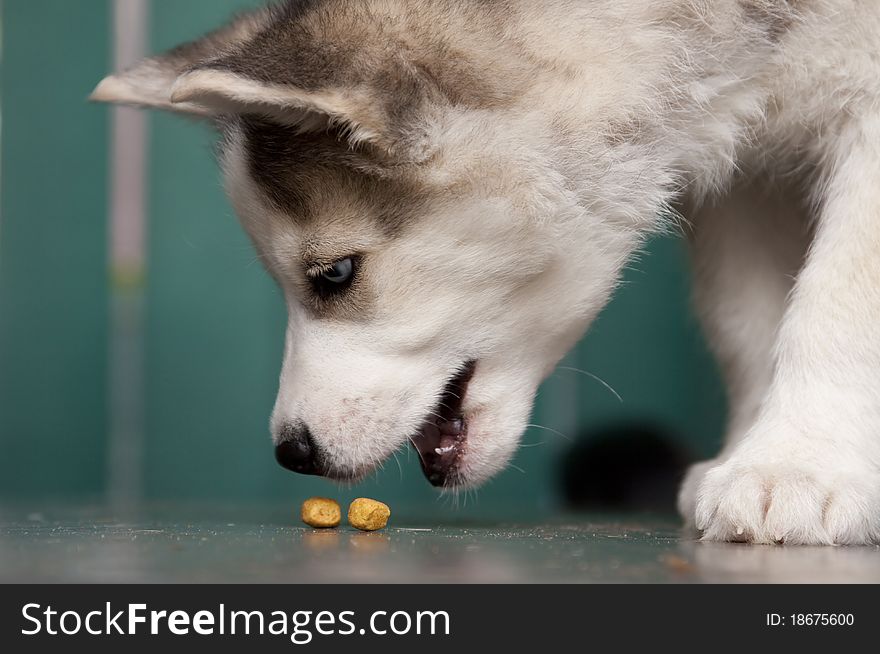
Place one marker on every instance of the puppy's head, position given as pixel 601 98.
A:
pixel 435 261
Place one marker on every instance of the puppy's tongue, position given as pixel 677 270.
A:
pixel 440 440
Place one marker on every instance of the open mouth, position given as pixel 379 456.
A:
pixel 442 437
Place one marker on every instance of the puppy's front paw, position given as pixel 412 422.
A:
pixel 786 501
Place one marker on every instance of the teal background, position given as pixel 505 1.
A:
pixel 213 319
pixel 53 214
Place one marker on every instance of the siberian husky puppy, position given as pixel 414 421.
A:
pixel 447 191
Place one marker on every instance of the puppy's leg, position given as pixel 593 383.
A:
pixel 746 250
pixel 808 470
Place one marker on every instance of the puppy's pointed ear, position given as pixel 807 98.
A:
pixel 222 90
pixel 273 65
pixel 149 84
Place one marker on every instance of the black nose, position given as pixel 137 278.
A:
pixel 297 451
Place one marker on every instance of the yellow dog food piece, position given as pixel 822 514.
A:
pixel 321 513
pixel 368 515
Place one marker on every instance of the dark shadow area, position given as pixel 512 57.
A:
pixel 623 468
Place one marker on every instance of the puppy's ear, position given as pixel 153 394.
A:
pixel 149 84
pixel 275 64
pixel 221 90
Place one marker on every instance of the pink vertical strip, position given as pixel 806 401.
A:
pixel 128 156
pixel 127 229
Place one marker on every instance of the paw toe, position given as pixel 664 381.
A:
pixel 795 512
pixel 731 505
pixel 852 516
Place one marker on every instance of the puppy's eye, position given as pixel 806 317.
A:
pixel 335 278
pixel 340 272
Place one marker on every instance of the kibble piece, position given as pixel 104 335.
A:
pixel 321 513
pixel 368 515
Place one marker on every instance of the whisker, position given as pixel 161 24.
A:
pixel 595 378
pixel 418 451
pixel 552 431
pixel 524 446
pixel 399 467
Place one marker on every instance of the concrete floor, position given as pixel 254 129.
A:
pixel 224 545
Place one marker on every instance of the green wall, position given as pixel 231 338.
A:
pixel 53 304
pixel 214 321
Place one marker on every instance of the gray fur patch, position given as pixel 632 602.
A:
pixel 297 170
pixel 389 51
pixel 775 17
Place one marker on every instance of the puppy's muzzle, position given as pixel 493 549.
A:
pixel 297 451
